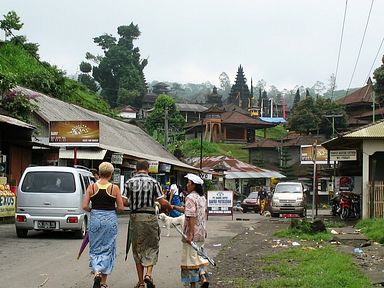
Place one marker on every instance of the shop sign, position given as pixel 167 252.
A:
pixel 309 154
pixel 153 167
pixel 74 133
pixel 220 202
pixel 206 176
pixel 343 155
pixel 7 204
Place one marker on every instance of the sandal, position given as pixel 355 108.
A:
pixel 138 285
pixel 204 281
pixel 149 281
pixel 97 280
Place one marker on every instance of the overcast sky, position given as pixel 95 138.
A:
pixel 284 42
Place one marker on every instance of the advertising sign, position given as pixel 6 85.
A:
pixel 153 167
pixel 348 184
pixel 308 153
pixel 220 202
pixel 165 168
pixel 74 133
pixel 7 204
pixel 343 155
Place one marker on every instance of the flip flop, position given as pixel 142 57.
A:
pixel 149 281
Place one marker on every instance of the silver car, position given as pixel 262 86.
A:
pixel 50 198
pixel 289 197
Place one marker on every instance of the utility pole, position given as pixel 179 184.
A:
pixel 333 116
pixel 166 128
pixel 201 144
pixel 314 188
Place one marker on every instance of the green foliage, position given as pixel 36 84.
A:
pixel 378 75
pixel 275 133
pixel 85 67
pixel 120 71
pixel 10 22
pixel 309 116
pixel 284 168
pixel 18 106
pixel 88 82
pixel 372 228
pixel 155 120
pixel 301 230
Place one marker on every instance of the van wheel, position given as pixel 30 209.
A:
pixel 21 233
pixel 80 234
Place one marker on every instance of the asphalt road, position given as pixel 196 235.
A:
pixel 49 259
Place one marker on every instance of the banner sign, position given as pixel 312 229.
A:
pixel 308 154
pixel 74 133
pixel 7 204
pixel 343 155
pixel 220 202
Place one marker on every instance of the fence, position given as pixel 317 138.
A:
pixel 376 193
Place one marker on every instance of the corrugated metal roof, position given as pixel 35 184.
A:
pixel 374 130
pixel 115 135
pixel 15 122
pixel 236 169
pixel 185 107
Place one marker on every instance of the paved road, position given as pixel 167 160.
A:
pixel 49 259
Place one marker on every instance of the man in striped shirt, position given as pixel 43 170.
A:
pixel 142 191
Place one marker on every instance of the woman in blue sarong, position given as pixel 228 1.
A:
pixel 174 197
pixel 106 200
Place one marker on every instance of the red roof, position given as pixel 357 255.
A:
pixel 232 164
pixel 234 117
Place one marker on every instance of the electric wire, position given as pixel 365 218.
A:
pixel 340 45
pixel 361 46
pixel 374 61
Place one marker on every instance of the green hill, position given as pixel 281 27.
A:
pixel 24 70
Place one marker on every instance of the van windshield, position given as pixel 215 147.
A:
pixel 48 182
pixel 288 188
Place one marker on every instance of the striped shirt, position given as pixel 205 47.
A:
pixel 142 191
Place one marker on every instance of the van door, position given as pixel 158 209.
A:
pixel 48 193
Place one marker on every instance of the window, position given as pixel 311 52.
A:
pixel 49 182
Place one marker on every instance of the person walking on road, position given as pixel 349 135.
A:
pixel 193 267
pixel 142 191
pixel 263 199
pixel 105 199
pixel 174 197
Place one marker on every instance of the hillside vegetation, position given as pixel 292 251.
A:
pixel 24 70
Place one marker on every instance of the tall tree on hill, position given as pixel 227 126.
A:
pixel 378 75
pixel 225 84
pixel 120 71
pixel 296 100
pixel 240 94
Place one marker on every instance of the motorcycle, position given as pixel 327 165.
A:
pixel 349 206
pixel 335 205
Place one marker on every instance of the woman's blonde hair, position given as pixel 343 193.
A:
pixel 106 169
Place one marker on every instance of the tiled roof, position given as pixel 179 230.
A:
pixel 15 122
pixel 263 143
pixel 363 94
pixel 185 107
pixel 305 140
pixel 234 117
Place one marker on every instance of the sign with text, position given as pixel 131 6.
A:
pixel 153 167
pixel 220 202
pixel 206 176
pixel 308 154
pixel 117 158
pixel 343 155
pixel 74 133
pixel 7 204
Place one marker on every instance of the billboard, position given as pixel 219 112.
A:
pixel 74 133
pixel 307 154
pixel 220 202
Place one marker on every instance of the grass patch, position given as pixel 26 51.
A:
pixel 302 230
pixel 300 267
pixel 372 228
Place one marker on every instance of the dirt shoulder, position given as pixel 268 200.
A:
pixel 242 257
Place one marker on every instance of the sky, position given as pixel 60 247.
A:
pixel 284 42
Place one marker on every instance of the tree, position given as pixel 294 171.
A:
pixel 155 120
pixel 11 22
pixel 120 71
pixel 296 100
pixel 378 75
pixel 319 88
pixel 305 117
pixel 331 84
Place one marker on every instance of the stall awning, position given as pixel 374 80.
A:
pixel 90 154
pixel 250 174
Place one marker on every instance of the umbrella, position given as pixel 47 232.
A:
pixel 129 239
pixel 83 245
pixel 200 250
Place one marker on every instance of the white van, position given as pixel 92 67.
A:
pixel 289 198
pixel 50 198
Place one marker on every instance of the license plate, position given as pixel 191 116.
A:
pixel 46 224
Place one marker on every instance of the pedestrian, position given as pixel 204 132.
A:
pixel 263 199
pixel 174 197
pixel 193 267
pixel 95 174
pixel 142 191
pixel 106 200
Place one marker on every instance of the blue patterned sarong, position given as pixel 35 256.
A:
pixel 102 240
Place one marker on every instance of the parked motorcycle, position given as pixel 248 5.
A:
pixel 349 205
pixel 335 205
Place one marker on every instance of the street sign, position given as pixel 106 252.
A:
pixel 206 176
pixel 343 155
pixel 220 202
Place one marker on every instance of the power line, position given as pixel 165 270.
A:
pixel 341 41
pixel 361 45
pixel 374 61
